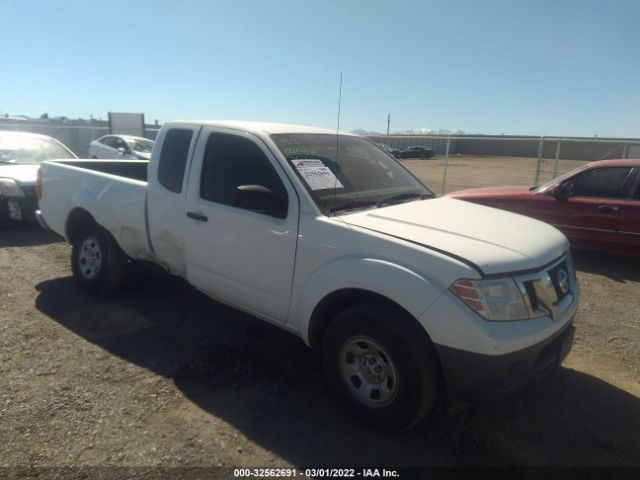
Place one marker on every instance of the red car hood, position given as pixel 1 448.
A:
pixel 491 192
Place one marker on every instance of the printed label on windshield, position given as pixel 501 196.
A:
pixel 317 175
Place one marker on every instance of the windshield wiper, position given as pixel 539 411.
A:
pixel 401 198
pixel 391 200
pixel 352 205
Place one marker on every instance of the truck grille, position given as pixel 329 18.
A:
pixel 551 290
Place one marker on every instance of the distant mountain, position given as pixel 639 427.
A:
pixel 360 131
pixel 430 131
pixel 415 131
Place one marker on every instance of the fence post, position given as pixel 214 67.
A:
pixel 555 163
pixel 625 150
pixel 538 163
pixel 446 166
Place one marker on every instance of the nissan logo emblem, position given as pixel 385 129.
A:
pixel 563 281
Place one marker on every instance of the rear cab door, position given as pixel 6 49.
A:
pixel 241 256
pixel 166 194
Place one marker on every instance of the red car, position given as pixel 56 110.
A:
pixel 596 206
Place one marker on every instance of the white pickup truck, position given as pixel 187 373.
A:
pixel 410 298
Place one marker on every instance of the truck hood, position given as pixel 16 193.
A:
pixel 20 173
pixel 491 240
pixel 492 192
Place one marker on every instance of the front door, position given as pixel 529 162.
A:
pixel 240 255
pixel 587 207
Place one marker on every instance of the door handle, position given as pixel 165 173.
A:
pixel 197 216
pixel 607 208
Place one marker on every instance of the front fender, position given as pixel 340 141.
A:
pixel 409 289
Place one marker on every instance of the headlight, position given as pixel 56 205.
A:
pixel 10 188
pixel 494 299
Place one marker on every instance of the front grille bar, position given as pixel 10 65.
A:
pixel 541 295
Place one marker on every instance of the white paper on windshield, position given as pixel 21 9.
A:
pixel 317 175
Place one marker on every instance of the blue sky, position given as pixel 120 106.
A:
pixel 552 67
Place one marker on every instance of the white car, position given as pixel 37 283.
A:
pixel 121 146
pixel 410 298
pixel 20 156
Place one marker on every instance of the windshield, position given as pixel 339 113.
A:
pixel 143 146
pixel 30 150
pixel 344 172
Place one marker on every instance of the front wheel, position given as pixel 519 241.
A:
pixel 97 261
pixel 382 366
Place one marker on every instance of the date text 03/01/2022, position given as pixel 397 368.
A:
pixel 314 473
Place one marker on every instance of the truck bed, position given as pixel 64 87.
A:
pixel 113 192
pixel 133 169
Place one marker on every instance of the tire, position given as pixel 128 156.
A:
pixel 98 263
pixel 380 348
pixel 5 221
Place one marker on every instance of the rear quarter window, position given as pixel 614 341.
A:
pixel 173 158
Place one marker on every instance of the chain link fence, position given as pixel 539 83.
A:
pixel 76 137
pixel 460 161
pixel 463 162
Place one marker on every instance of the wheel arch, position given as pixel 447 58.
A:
pixel 77 219
pixel 337 301
pixel 347 281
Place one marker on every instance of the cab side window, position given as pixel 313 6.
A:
pixel 232 161
pixel 606 182
pixel 173 159
pixel 119 143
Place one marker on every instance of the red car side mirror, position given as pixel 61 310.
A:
pixel 559 191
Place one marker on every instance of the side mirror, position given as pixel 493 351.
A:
pixel 260 199
pixel 122 151
pixel 562 190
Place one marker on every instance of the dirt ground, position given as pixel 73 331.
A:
pixel 158 375
pixel 466 171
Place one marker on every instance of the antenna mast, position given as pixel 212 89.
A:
pixel 335 183
pixel 339 102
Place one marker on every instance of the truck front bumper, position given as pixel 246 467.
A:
pixel 473 376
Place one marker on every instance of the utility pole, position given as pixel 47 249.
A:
pixel 388 123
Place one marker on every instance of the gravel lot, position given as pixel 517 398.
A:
pixel 159 375
pixel 466 171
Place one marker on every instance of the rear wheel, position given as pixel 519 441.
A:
pixel 97 261
pixel 382 366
